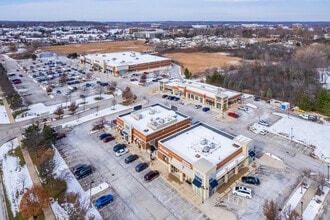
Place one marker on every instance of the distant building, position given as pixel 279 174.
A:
pixel 120 63
pixel 205 157
pixel 144 127
pixel 201 93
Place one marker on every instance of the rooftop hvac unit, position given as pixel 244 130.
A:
pixel 212 145
pixel 206 149
pixel 203 141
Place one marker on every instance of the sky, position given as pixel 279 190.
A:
pixel 165 10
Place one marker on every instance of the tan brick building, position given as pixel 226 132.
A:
pixel 146 126
pixel 204 156
pixel 121 63
pixel 201 93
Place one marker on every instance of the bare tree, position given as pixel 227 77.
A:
pixel 128 95
pixel 59 111
pixel 75 210
pixel 306 172
pixel 289 214
pixel 320 179
pixel 112 86
pixel 270 210
pixel 73 107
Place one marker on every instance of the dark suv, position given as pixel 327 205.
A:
pixel 251 180
pixel 117 147
pixel 85 171
pixel 140 167
pixel 131 158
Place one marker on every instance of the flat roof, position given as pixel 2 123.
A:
pixel 152 118
pixel 126 58
pixel 203 88
pixel 201 141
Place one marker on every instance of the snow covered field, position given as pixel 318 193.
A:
pixel 16 178
pixel 305 132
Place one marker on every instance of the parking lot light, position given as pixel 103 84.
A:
pixel 90 193
pixel 301 211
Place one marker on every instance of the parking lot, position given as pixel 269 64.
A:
pixel 275 184
pixel 133 197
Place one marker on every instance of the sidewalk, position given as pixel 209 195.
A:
pixel 49 215
pixel 207 207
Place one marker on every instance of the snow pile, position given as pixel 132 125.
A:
pixel 63 171
pixel 16 178
pixel 315 205
pixel 273 156
pixel 3 115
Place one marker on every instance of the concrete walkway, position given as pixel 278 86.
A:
pixel 49 215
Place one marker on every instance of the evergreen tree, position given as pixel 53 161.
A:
pixel 269 93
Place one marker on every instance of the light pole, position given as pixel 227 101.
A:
pixel 301 203
pixel 90 193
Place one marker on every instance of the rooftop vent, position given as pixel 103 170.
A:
pixel 212 145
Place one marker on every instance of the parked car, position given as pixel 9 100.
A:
pixel 108 138
pixel 304 116
pixel 117 147
pixel 205 109
pixel 233 114
pixel 243 108
pixel 60 136
pixel 76 168
pixel 103 200
pixel 251 180
pixel 104 135
pixel 263 122
pixel 176 98
pixel 170 97
pixel 121 152
pixel 85 171
pixel 151 175
pixel 242 191
pixel 164 96
pixel 140 167
pixel 131 158
pixel 256 98
pixel 16 81
pixel 198 106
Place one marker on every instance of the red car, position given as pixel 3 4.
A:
pixel 151 175
pixel 108 138
pixel 233 114
pixel 145 73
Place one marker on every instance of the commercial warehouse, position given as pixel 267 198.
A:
pixel 121 63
